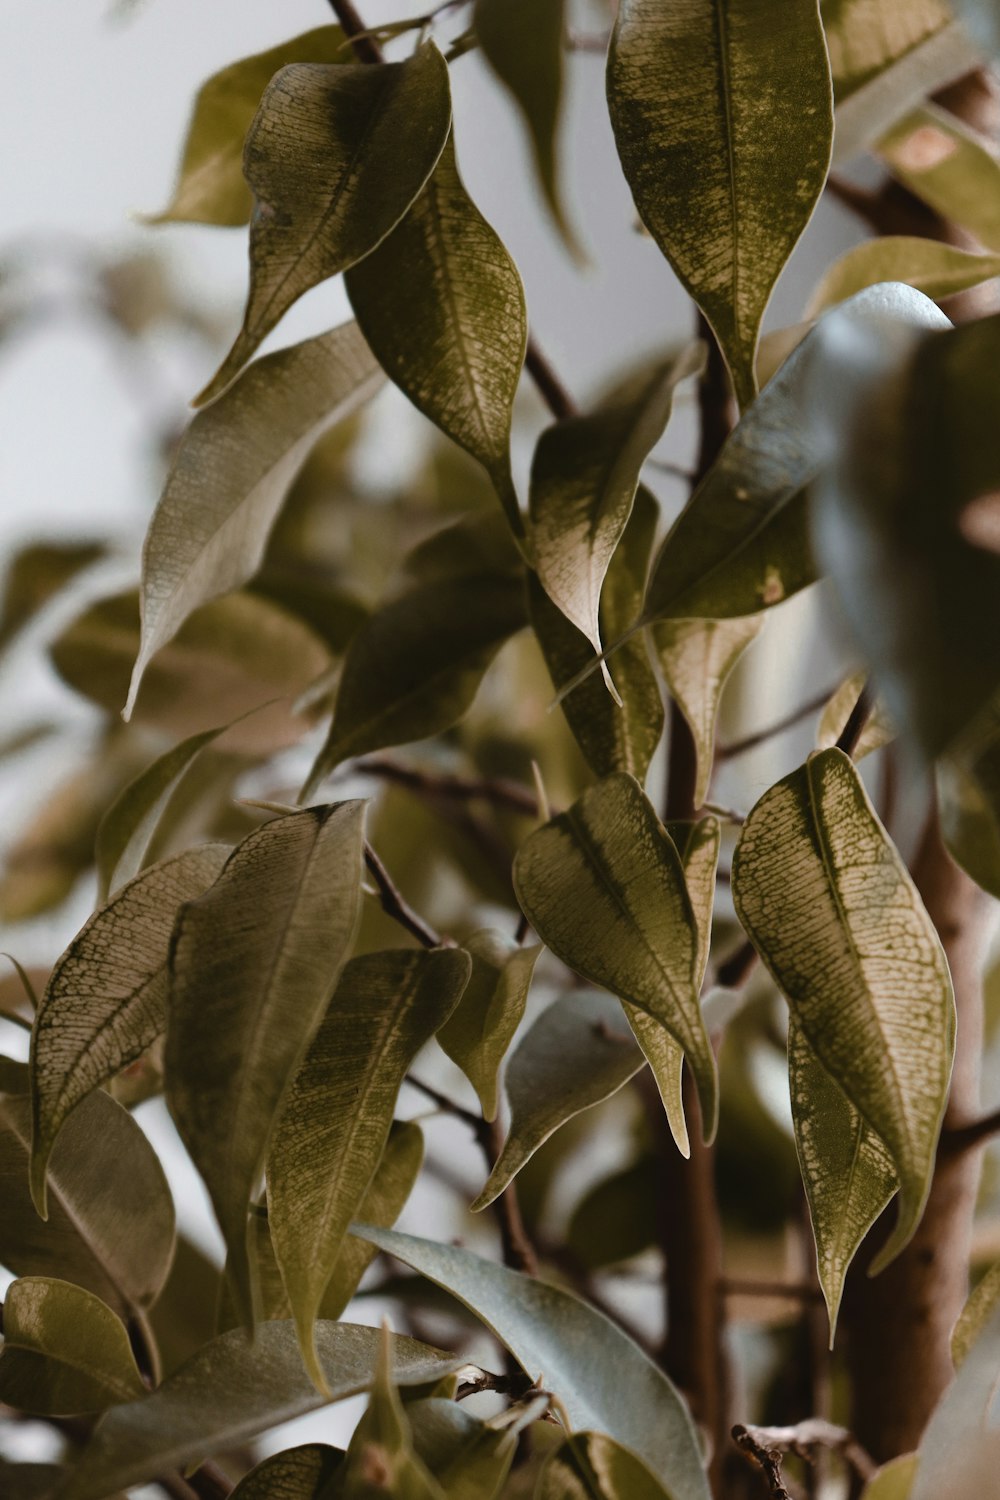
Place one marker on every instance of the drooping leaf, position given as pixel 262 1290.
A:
pixel 697 657
pixel 723 117
pixel 336 1117
pixel 935 269
pixel 592 1466
pixel 335 156
pixel 603 886
pixel 253 965
pixel 310 1472
pixel 960 1449
pixel 65 1353
pixel 976 1313
pixel 232 472
pixel 440 302
pixel 480 1029
pixel 211 188
pixel 576 1054
pixel 106 1000
pixel 833 720
pixel 380 1459
pixel 616 1390
pixel 949 167
pixel 413 669
pixel 832 911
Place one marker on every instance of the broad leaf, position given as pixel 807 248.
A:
pixel 960 1449
pixel 479 1031
pixel 64 1352
pixel 603 886
pixel 832 911
pixel 948 166
pixel 253 965
pixel 935 269
pixel 232 472
pixel 335 156
pixel 592 1466
pixel 336 1118
pixel 310 1472
pixel 441 304
pixel 380 1459
pixel 106 1001
pixel 708 156
pixel 615 1390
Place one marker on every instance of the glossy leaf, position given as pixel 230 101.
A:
pixel 232 472
pixel 480 1029
pixel 833 720
pixel 592 1466
pixel 335 156
pixel 310 1472
pixel 832 911
pixel 949 167
pixel 723 117
pixel 64 1352
pixel 697 657
pixel 616 1390
pixel 603 886
pixel 106 1000
pixel 380 1459
pixel 935 269
pixel 336 1117
pixel 977 1312
pixel 253 965
pixel 960 1448
pixel 441 304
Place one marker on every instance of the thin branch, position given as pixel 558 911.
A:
pixel 448 1106
pixel 761 736
pixel 857 719
pixel 366 48
pixel 394 904
pixel 515 1384
pixel 960 1138
pixel 768 1459
pixel 210 1483
pixel 498 792
pixel 803 1439
pixel 794 1291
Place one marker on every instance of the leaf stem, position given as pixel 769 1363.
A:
pixel 761 736
pixel 856 721
pixel 395 905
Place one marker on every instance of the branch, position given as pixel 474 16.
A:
pixel 960 1138
pixel 499 792
pixel 366 48
pixel 761 736
pixel 768 1459
pixel 767 1444
pixel 394 905
pixel 857 719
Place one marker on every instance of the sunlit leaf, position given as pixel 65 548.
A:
pixel 479 1031
pixel 592 1466
pixel 935 269
pixel 833 720
pixel 960 1449
pixel 949 167
pixel 380 1459
pixel 306 1473
pixel 64 1352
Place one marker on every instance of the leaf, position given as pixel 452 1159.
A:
pixel 616 1219
pixel 603 886
pixel 111 1218
pixel 711 155
pixel 894 1480
pixel 310 1472
pixel 575 1055
pixel 697 657
pixel 947 165
pixel 616 1389
pixel 846 1169
pixel 976 1313
pixel 960 1448
pixel 832 911
pixel 413 669
pixel 210 186
pixel 380 1460
pixel 232 472
pixel 336 1117
pixel 64 1352
pixel 937 270
pixel 36 574
pixel 480 1029
pixel 592 1466
pixel 228 1393
pixel 335 156
pixel 469 1458
pixel 106 1000
pixel 441 304
pixel 253 965
pixel 968 794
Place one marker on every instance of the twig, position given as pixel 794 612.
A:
pixel 794 1291
pixel 210 1483
pixel 802 1440
pixel 960 1138
pixel 857 719
pixel 474 1122
pixel 761 736
pixel 366 48
pixel 516 1384
pixel 394 905
pixel 499 792
pixel 768 1459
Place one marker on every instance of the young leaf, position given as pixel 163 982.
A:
pixel 833 720
pixel 592 1466
pixel 603 886
pixel 310 1472
pixel 441 304
pixel 480 1029
pixel 335 156
pixel 937 270
pixel 380 1459
pixel 106 999
pixel 948 166
pixel 64 1352
pixel 469 1458
pixel 616 1390
pixel 723 117
pixel 253 965
pixel 832 911
pixel 232 472
pixel 336 1117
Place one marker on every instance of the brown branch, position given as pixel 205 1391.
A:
pixel 366 48
pixel 856 721
pixel 734 970
pixel 761 736
pixel 498 792
pixel 794 1291
pixel 766 1457
pixel 959 1138
pixel 803 1440
pixel 210 1483
pixel 395 905
pixel 448 1106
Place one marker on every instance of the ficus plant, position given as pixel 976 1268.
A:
pixel 673 1066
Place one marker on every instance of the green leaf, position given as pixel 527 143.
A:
pixel 968 787
pixel 335 156
pixel 310 1472
pixel 894 1480
pixel 575 1055
pixel 106 1001
pixel 210 187
pixel 64 1352
pixel 228 1393
pixel 584 477
pixel 960 1449
pixel 616 1219
pixel 697 657
pixel 616 1389
pixel 832 911
pixel 380 1460
pixel 440 302
pixel 937 270
pixel 480 1029
pixel 232 472
pixel 948 166
pixel 336 1117
pixel 592 1466
pixel 711 157
pixel 469 1458
pixel 253 965
pixel 846 1169
pixel 414 668
pixel 976 1313
pixel 603 886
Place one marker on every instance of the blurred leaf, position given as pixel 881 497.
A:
pixel 976 1313
pixel 833 720
pixel 380 1460
pixel 479 542
pixel 616 1219
pixel 894 1480
pixel 616 1389
pixel 709 158
pixel 949 167
pixel 592 1466
pixel 982 18
pixel 335 156
pixel 310 1472
pixel 479 1031
pixel 441 304
pixel 183 1317
pixel 937 270
pixel 64 1352
pixel 35 574
pixel 832 911
pixel 336 1116
pixel 469 1458
pixel 968 788
pixel 253 965
pixel 960 1449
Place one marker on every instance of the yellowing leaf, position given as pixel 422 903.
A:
pixel 949 167
pixel 592 1466
pixel 64 1352
pixel 935 269
pixel 441 304
pixel 832 911
pixel 723 116
pixel 482 1026
pixel 335 156
pixel 305 1473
